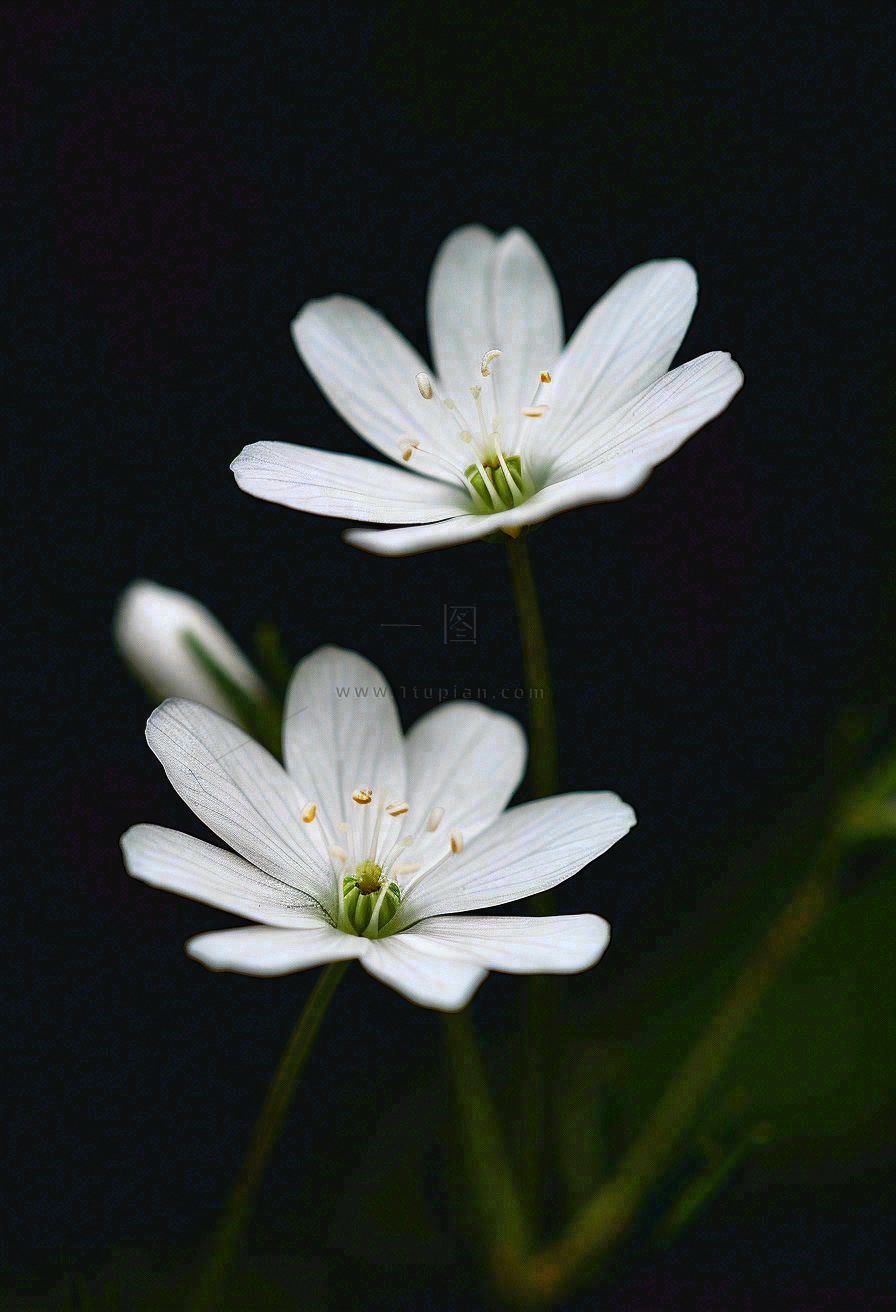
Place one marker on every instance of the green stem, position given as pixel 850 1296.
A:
pixel 240 1204
pixel 497 1202
pixel 541 993
pixel 544 776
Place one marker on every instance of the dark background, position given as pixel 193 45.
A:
pixel 178 181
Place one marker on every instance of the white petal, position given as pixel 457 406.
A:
pixel 528 321
pixel 349 487
pixel 467 759
pixel 431 981
pixel 367 371
pixel 624 343
pixel 425 537
pixel 487 293
pixel 659 420
pixel 149 626
pixel 239 791
pixel 458 308
pixel 521 945
pixel 526 850
pixel 182 864
pixel 257 950
pixel 336 741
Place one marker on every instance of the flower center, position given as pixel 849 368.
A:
pixel 367 891
pixel 498 479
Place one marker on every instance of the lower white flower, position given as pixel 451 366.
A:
pixel 515 427
pixel 368 844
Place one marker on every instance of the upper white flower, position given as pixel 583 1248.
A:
pixel 514 428
pixel 368 844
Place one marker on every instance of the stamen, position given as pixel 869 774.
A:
pixel 309 813
pixel 457 842
pixel 393 854
pixel 408 446
pixel 362 796
pixel 346 829
pixel 406 868
pixel 338 854
pixel 534 411
pixel 396 808
pixel 435 819
pixel 458 473
pixel 376 828
pixel 424 383
pixel 486 361
pixel 545 378
pixel 515 493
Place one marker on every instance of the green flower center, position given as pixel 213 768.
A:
pixel 362 891
pixel 498 480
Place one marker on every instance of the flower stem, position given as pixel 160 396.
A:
pixel 240 1204
pixel 541 992
pixel 543 767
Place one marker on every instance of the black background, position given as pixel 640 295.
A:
pixel 178 181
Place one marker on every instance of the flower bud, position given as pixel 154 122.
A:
pixel 149 627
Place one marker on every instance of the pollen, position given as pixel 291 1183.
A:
pixel 396 808
pixel 309 813
pixel 362 796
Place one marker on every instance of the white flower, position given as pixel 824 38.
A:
pixel 494 443
pixel 368 845
pixel 150 628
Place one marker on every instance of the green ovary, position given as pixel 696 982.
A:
pixel 498 480
pixel 361 892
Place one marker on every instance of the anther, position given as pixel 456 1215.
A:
pixel 435 819
pixel 424 383
pixel 448 403
pixel 545 376
pixel 457 842
pixel 408 446
pixel 406 868
pixel 396 808
pixel 309 813
pixel 338 854
pixel 362 796
pixel 466 436
pixel 486 361
pixel 534 411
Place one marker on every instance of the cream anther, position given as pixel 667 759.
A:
pixel 338 854
pixel 396 808
pixel 448 403
pixel 406 868
pixel 457 842
pixel 435 819
pixel 486 361
pixel 466 436
pixel 362 796
pixel 309 813
pixel 424 383
pixel 534 411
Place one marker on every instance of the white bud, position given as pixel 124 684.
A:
pixel 149 626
